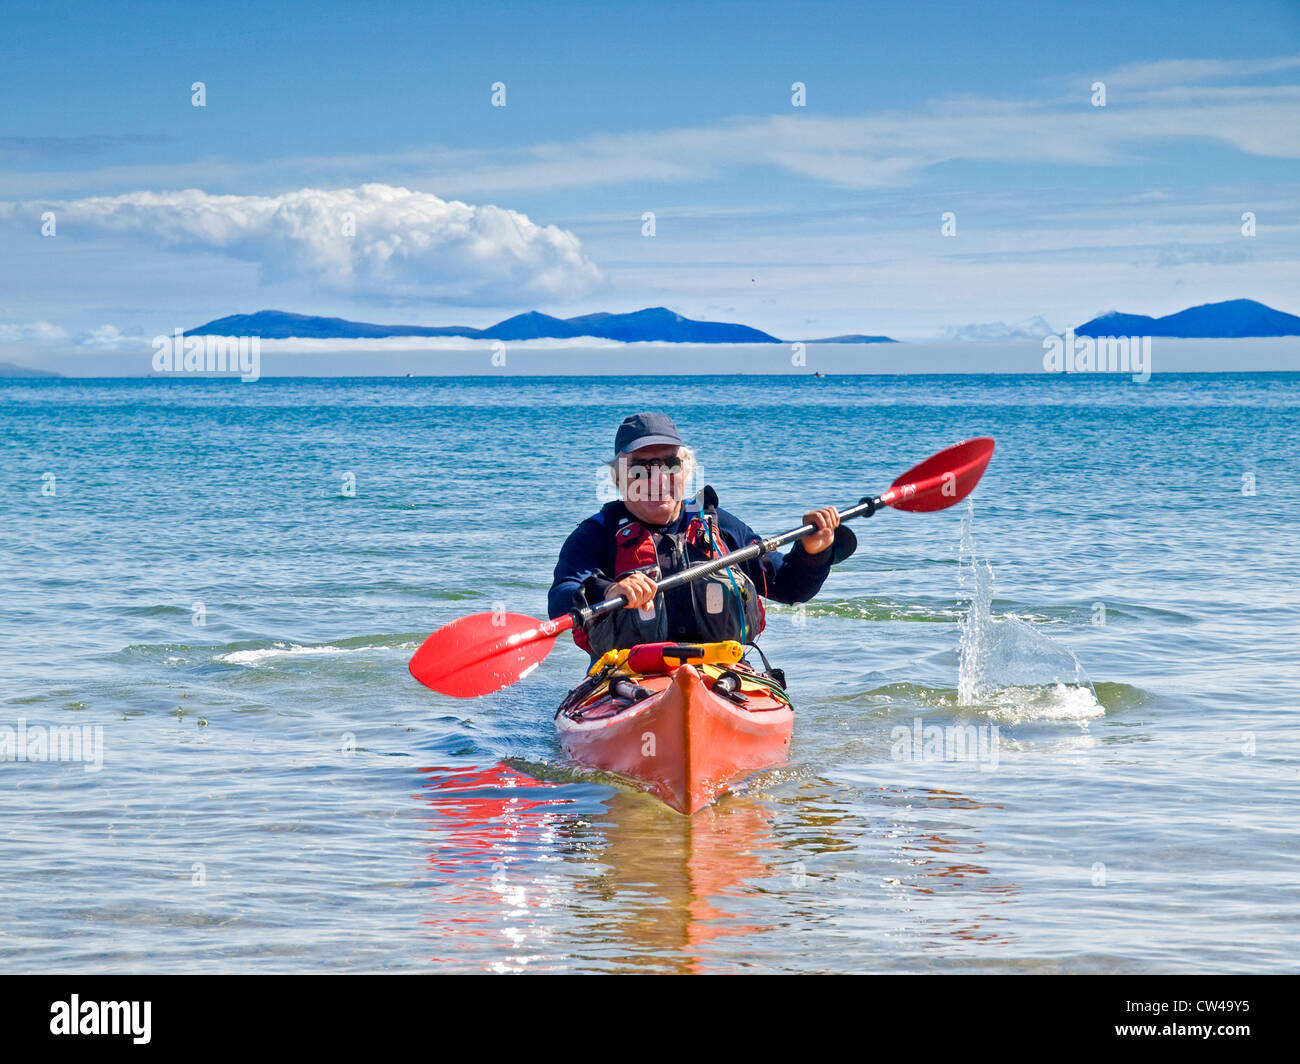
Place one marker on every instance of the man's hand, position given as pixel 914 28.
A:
pixel 827 520
pixel 637 588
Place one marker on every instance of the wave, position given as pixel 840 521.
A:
pixel 255 654
pixel 872 609
pixel 1011 704
pixel 287 650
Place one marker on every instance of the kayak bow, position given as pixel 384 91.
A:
pixel 682 741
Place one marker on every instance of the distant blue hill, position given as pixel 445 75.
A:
pixel 531 326
pixel 853 338
pixel 651 324
pixel 281 325
pixel 660 323
pixel 9 369
pixel 1231 319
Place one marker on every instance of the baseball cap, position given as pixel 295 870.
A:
pixel 645 430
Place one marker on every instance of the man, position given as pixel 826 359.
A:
pixel 652 531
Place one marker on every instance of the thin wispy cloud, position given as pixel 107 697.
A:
pixel 22 149
pixel 1167 72
pixel 892 149
pixel 1148 103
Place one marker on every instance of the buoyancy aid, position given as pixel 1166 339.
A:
pixel 721 606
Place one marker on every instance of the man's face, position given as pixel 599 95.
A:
pixel 651 481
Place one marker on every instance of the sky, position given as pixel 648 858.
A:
pixel 348 161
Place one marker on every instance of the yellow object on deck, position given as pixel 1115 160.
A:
pixel 727 652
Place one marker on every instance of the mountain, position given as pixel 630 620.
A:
pixel 651 324
pixel 10 369
pixel 587 319
pixel 660 323
pixel 852 338
pixel 532 326
pixel 281 325
pixel 1117 324
pixel 1230 319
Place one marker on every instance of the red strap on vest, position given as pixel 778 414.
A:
pixel 634 545
pixel 634 548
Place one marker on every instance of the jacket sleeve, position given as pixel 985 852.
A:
pixel 793 577
pixel 582 567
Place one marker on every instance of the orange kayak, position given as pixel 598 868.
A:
pixel 683 743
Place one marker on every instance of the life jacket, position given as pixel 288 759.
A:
pixel 721 606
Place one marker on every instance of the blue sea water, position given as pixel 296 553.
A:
pixel 228 580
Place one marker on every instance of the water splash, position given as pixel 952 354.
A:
pixel 1006 666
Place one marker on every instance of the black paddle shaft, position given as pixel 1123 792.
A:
pixel 865 508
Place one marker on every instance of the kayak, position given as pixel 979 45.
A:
pixel 683 733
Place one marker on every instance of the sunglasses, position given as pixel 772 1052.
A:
pixel 671 466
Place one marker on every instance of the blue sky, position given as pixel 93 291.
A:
pixel 802 221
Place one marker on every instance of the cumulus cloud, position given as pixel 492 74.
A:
pixel 376 240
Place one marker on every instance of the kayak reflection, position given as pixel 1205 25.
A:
pixel 530 875
pixel 679 884
pixel 573 875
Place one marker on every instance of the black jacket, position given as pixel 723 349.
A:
pixel 587 561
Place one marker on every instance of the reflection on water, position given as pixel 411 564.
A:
pixel 492 830
pixel 911 876
pixel 678 884
pixel 527 882
pixel 941 860
pixel 530 875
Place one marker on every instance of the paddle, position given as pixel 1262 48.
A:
pixel 485 652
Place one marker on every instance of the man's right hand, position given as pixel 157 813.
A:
pixel 637 588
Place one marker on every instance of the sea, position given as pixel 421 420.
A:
pixel 1052 729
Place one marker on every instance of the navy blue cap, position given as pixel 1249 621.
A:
pixel 645 430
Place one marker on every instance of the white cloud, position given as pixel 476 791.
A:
pixel 43 336
pixel 1158 72
pixel 1149 104
pixel 406 244
pixel 1034 328
pixel 30 332
pixel 111 338
pixel 891 149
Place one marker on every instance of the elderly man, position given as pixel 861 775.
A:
pixel 652 531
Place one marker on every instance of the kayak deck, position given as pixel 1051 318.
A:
pixel 683 743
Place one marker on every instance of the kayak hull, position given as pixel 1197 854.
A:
pixel 684 743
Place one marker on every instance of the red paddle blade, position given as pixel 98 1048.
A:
pixel 942 479
pixel 484 652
